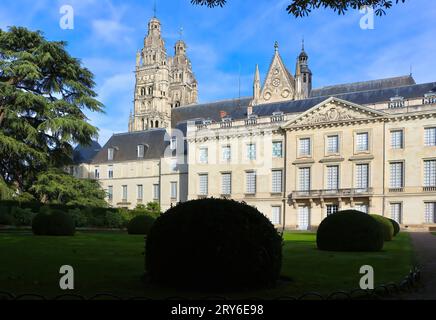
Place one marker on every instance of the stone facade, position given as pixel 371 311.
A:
pixel 295 153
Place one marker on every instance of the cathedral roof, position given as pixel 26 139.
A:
pixel 363 86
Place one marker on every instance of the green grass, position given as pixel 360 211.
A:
pixel 114 262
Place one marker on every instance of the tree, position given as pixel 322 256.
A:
pixel 301 8
pixel 55 186
pixel 43 95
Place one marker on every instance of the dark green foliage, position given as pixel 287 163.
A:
pixel 58 187
pixel 350 230
pixel 396 226
pixel 22 217
pixel 56 223
pixel 386 225
pixel 301 8
pixel 151 209
pixel 80 217
pixel 40 224
pixel 6 219
pixel 140 224
pixel 113 220
pixel 215 244
pixel 45 94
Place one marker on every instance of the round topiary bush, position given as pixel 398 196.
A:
pixel 40 224
pixel 213 244
pixel 55 223
pixel 349 230
pixel 396 226
pixel 386 225
pixel 140 225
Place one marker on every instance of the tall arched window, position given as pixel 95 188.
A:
pixel 157 124
pixel 143 124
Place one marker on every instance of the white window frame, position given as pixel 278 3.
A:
pixel 125 192
pixel 430 173
pixel 304 179
pixel 226 153
pixel 332 177
pixel 430 212
pixel 275 148
pixel 276 215
pixel 156 191
pixel 251 151
pixel 362 176
pixel 204 155
pixel 362 141
pixel 173 190
pixel 430 137
pixel 110 154
pixel 226 183
pixel 110 193
pixel 396 172
pixel 140 191
pixel 396 211
pixel 250 182
pixel 305 147
pixel 333 145
pixel 110 172
pixel 277 181
pixel 397 139
pixel 203 184
pixel 331 209
pixel 140 151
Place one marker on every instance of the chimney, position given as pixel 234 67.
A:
pixel 223 114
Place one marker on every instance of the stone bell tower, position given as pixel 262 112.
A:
pixel 151 105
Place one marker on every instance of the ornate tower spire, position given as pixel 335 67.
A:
pixel 303 75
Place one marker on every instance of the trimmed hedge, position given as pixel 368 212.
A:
pixel 350 230
pixel 56 223
pixel 140 225
pixel 386 225
pixel 213 244
pixel 396 226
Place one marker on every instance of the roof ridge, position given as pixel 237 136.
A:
pixel 361 82
pixel 214 102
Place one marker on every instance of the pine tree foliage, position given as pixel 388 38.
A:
pixel 44 93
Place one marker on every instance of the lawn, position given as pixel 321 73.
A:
pixel 114 262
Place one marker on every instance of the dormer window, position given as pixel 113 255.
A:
pixel 396 102
pixel 140 151
pixel 207 122
pixel 226 119
pixel 173 143
pixel 110 154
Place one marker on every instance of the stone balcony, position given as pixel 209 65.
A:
pixel 339 193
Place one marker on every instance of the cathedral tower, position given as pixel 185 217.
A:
pixel 162 82
pixel 151 108
pixel 183 85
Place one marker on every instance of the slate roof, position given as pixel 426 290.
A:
pixel 363 86
pixel 237 109
pixel 85 154
pixel 125 145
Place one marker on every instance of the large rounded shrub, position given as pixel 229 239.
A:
pixel 213 244
pixel 396 226
pixel 386 225
pixel 55 223
pixel 350 230
pixel 140 224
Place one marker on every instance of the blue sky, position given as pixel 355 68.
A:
pixel 222 41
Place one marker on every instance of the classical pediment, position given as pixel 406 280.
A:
pixel 334 110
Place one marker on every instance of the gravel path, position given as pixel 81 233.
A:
pixel 424 244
